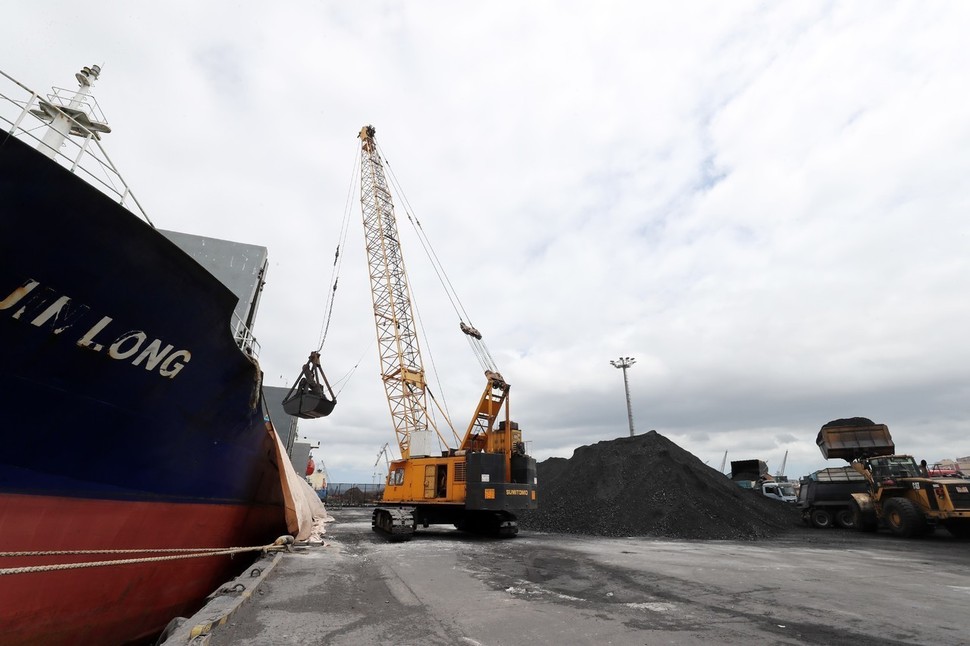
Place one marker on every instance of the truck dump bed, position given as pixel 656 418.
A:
pixel 831 487
pixel 855 442
pixel 841 474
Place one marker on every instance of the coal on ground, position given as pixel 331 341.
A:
pixel 646 485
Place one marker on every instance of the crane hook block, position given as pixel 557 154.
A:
pixel 469 330
pixel 307 399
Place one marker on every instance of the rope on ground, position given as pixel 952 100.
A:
pixel 280 544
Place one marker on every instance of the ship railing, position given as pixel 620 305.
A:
pixel 244 337
pixel 64 98
pixel 82 155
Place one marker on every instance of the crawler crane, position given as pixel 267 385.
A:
pixel 475 486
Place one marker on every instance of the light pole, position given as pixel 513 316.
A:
pixel 624 363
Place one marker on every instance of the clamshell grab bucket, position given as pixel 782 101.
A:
pixel 307 398
pixel 308 404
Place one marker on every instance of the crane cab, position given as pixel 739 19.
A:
pixel 473 481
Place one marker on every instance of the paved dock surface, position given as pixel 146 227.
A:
pixel 442 587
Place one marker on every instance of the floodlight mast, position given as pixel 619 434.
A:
pixel 623 363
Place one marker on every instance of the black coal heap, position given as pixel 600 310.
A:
pixel 648 486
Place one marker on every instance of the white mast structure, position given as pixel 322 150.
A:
pixel 78 115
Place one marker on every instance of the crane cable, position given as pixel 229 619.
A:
pixel 475 340
pixel 337 256
pixel 345 379
pixel 434 369
pixel 477 345
pixel 342 382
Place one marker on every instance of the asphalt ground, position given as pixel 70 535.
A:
pixel 443 587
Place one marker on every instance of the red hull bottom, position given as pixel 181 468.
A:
pixel 121 603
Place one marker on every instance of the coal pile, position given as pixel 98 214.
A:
pixel 850 421
pixel 648 486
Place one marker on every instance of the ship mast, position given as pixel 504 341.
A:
pixel 77 115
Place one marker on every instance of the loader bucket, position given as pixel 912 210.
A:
pixel 855 442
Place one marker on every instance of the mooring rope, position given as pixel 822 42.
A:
pixel 140 551
pixel 175 554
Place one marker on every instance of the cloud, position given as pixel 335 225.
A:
pixel 763 204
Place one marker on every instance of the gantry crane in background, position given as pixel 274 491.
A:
pixel 781 469
pixel 476 485
pixel 383 453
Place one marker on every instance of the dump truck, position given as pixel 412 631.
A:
pixel 779 490
pixel 825 497
pixel 753 474
pixel 898 495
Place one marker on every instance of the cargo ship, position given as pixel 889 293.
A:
pixel 136 445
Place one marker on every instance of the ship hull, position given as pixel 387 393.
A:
pixel 116 604
pixel 132 420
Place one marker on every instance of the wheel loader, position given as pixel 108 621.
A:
pixel 899 497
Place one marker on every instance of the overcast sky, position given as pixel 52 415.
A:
pixel 764 203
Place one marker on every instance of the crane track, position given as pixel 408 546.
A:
pixel 395 523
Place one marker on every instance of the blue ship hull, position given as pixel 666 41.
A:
pixel 123 390
pixel 92 405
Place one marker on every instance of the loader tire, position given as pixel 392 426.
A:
pixel 862 520
pixel 904 518
pixel 822 518
pixel 845 519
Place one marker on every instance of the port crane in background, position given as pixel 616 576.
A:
pixel 478 483
pixel 781 470
pixel 383 453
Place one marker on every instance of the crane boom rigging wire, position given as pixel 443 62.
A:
pixel 479 348
pixel 308 397
pixel 338 257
